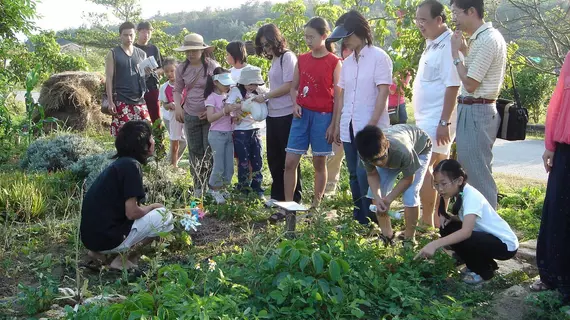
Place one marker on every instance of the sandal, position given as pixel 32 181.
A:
pixel 387 241
pixel 92 264
pixel 539 286
pixel 277 216
pixel 465 271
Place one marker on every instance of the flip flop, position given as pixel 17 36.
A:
pixel 92 264
pixel 539 286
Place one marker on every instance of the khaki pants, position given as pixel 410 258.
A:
pixel 334 163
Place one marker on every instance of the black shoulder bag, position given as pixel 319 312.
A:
pixel 514 118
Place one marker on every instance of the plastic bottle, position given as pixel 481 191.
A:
pixel 394 214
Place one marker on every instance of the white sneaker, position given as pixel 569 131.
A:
pixel 270 203
pixel 217 196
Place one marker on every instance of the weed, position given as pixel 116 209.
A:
pixel 36 299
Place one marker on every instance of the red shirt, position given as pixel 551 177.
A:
pixel 316 82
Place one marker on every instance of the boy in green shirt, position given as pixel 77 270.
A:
pixel 400 148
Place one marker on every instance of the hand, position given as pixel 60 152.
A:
pixel 442 135
pixel 157 205
pixel 259 99
pixel 427 252
pixel 330 133
pixel 458 43
pixel 203 115
pixel 380 206
pixel 147 71
pixel 180 115
pixel 112 108
pixel 337 135
pixel 548 158
pixel 387 202
pixel 297 111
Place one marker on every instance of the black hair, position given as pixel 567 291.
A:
pixel 322 28
pixel 144 25
pixel 436 9
pixel 237 50
pixel 453 170
pixel 250 47
pixel 210 81
pixel 465 5
pixel 354 21
pixel 273 36
pixel 133 140
pixel 169 61
pixel 370 142
pixel 126 25
pixel 205 58
pixel 243 90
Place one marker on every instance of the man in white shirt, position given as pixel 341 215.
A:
pixel 435 92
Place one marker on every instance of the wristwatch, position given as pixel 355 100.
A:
pixel 456 61
pixel 444 123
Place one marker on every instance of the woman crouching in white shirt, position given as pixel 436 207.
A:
pixel 475 231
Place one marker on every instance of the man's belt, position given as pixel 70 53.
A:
pixel 471 100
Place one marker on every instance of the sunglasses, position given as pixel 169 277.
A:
pixel 376 159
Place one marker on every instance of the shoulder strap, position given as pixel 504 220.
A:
pixel 515 91
pixel 281 58
pixel 114 69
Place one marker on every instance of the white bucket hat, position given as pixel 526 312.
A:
pixel 251 75
pixel 194 41
pixel 224 78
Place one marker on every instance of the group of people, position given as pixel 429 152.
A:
pixel 335 105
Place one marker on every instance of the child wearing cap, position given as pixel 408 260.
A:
pixel 247 139
pixel 221 130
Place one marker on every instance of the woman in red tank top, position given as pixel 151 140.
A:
pixel 313 90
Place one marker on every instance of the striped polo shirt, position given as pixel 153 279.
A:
pixel 486 62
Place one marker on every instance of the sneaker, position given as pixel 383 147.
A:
pixel 217 196
pixel 270 203
pixel 473 279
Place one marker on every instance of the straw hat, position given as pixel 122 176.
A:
pixel 194 41
pixel 251 75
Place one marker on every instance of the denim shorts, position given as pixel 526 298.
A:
pixel 310 129
pixel 411 196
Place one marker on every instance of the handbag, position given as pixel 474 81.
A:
pixel 105 97
pixel 514 118
pixel 394 114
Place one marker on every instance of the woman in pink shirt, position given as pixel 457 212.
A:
pixel 553 247
pixel 397 101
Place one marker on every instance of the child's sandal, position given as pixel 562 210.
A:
pixel 387 241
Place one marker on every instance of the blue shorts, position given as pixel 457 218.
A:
pixel 411 197
pixel 310 129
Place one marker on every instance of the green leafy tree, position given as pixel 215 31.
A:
pixel 124 10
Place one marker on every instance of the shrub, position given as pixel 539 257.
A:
pixel 164 185
pixel 91 166
pixel 57 152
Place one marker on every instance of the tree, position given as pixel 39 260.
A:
pixel 124 10
pixel 543 26
pixel 16 16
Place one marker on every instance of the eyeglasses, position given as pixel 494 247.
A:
pixel 266 45
pixel 443 185
pixel 376 159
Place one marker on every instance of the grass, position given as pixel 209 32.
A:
pixel 42 251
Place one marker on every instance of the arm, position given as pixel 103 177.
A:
pixel 400 187
pixel 381 103
pixel 374 183
pixel 133 211
pixel 109 74
pixel 294 91
pixel 214 115
pixel 471 78
pixel 463 234
pixel 470 84
pixel 331 131
pixel 449 102
pixel 177 93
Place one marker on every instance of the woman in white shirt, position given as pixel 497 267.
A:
pixel 475 231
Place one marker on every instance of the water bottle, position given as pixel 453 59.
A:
pixel 394 214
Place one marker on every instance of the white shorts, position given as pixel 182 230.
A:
pixel 431 130
pixel 176 130
pixel 149 226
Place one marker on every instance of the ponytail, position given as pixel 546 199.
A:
pixel 210 81
pixel 453 170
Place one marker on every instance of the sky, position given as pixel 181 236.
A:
pixel 62 14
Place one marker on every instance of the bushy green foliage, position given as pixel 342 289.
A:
pixel 89 167
pixel 523 210
pixel 58 152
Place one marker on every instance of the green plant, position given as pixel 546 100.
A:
pixel 36 299
pixel 547 306
pixel 57 152
pixel 89 167
pixel 23 197
pixel 523 210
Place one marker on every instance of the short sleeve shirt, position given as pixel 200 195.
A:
pixel 247 122
pixel 217 102
pixel 486 62
pixel 281 72
pixel 194 102
pixel 360 81
pixel 436 73
pixel 152 81
pixel 104 223
pixel 166 95
pixel 488 220
pixel 407 142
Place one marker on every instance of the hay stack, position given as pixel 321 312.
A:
pixel 74 97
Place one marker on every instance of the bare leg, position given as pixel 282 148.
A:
pixel 411 214
pixel 174 147
pixel 121 262
pixel 290 175
pixel 320 165
pixel 96 256
pixel 428 195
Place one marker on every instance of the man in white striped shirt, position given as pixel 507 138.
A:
pixel 482 75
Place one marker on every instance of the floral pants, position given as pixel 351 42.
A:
pixel 126 113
